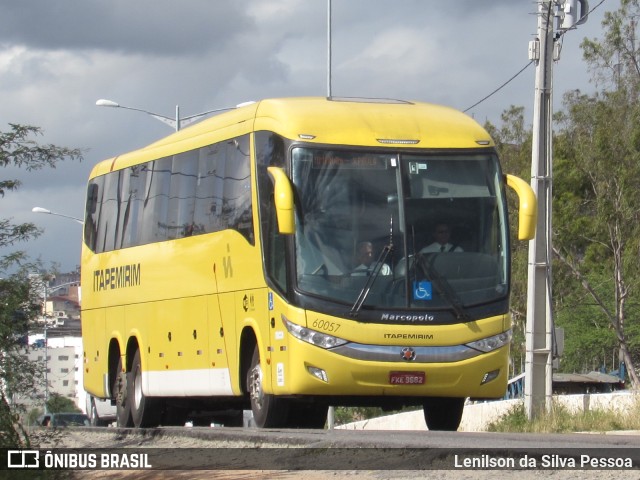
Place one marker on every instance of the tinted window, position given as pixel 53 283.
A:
pixel 200 191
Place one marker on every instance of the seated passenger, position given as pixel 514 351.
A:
pixel 441 235
pixel 365 261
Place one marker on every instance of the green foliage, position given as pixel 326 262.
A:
pixel 344 415
pixel 18 375
pixel 59 404
pixel 560 420
pixel 613 60
pixel 19 150
pixel 515 420
pixel 596 223
pixel 18 305
pixel 32 416
pixel 596 208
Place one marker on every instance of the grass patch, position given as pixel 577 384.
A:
pixel 560 420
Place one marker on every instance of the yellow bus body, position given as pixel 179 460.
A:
pixel 186 304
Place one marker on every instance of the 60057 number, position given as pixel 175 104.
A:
pixel 325 325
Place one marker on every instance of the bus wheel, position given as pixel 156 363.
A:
pixel 443 413
pixel 269 411
pixel 123 405
pixel 144 410
pixel 92 413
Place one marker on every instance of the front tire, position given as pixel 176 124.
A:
pixel 144 410
pixel 443 413
pixel 269 411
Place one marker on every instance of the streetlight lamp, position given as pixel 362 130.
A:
pixel 44 210
pixel 177 122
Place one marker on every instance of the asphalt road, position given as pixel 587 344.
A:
pixel 231 453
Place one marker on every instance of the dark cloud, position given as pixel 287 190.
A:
pixel 57 57
pixel 161 27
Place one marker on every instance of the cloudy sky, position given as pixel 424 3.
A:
pixel 57 57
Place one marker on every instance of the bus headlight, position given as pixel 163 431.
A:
pixel 492 343
pixel 312 336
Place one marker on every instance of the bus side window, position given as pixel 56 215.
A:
pixel 90 222
pixel 237 187
pixel 269 150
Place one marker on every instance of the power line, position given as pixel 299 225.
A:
pixel 521 70
pixel 500 87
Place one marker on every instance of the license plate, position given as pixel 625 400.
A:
pixel 407 378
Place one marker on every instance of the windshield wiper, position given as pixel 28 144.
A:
pixel 380 262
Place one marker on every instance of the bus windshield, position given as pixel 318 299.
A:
pixel 401 231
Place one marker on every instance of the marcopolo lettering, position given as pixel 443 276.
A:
pixel 116 277
pixel 407 317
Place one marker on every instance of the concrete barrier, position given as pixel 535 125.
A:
pixel 477 416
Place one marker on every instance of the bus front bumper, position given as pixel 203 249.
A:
pixel 354 370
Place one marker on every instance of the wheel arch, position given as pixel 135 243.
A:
pixel 113 357
pixel 115 352
pixel 132 346
pixel 248 342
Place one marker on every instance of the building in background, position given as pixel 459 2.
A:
pixel 55 341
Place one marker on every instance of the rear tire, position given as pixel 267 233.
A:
pixel 120 393
pixel 145 411
pixel 443 413
pixel 269 411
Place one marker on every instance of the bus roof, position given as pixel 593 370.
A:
pixel 340 121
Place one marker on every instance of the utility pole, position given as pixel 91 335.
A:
pixel 540 325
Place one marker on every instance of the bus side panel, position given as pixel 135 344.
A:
pixel 222 337
pixel 96 352
pixel 281 339
pixel 251 311
pixel 186 355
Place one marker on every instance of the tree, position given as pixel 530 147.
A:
pixel 598 237
pixel 18 304
pixel 598 174
pixel 578 305
pixel 59 404
pixel 614 60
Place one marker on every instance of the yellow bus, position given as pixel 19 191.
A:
pixel 277 257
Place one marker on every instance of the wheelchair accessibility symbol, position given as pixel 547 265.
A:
pixel 422 290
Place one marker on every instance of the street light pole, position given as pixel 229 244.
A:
pixel 46 353
pixel 177 123
pixel 44 210
pixel 47 291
